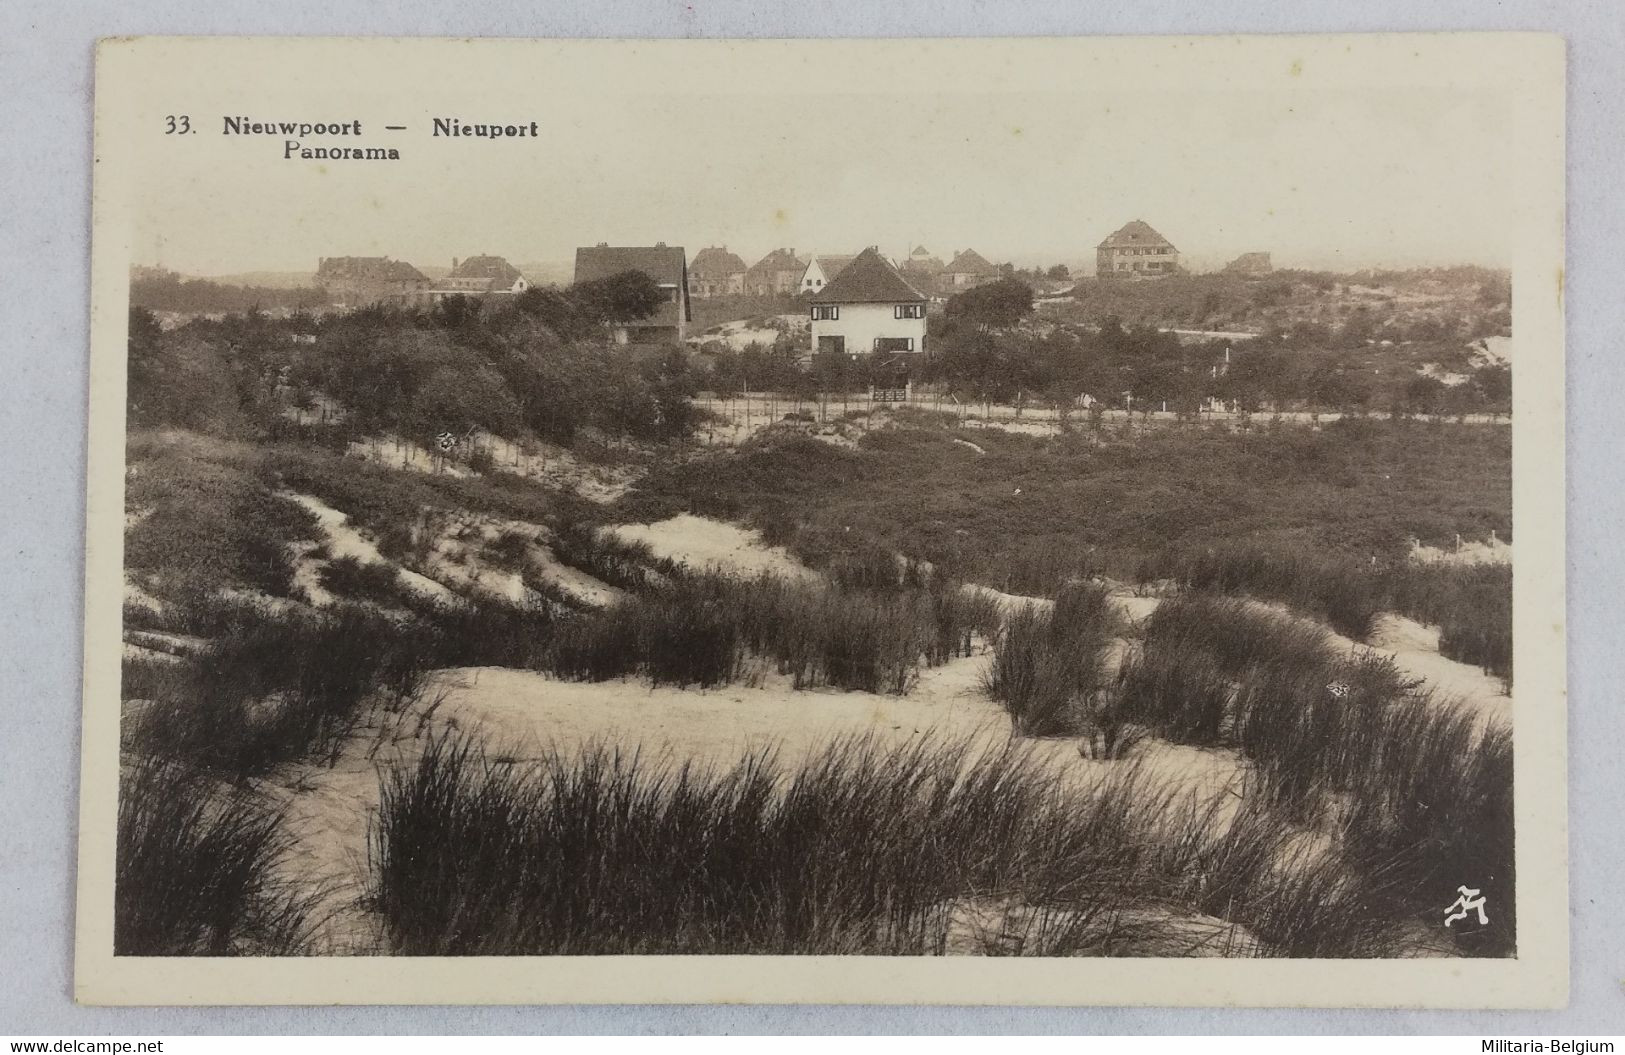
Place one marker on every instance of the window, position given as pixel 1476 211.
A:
pixel 825 312
pixel 909 311
pixel 894 344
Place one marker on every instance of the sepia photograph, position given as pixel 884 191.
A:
pixel 699 513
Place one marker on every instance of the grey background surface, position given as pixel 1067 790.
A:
pixel 45 166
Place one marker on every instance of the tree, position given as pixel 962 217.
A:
pixel 997 305
pixel 624 297
pixel 1060 272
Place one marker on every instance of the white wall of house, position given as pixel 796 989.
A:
pixel 863 324
pixel 813 279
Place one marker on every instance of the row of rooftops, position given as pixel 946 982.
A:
pixel 866 277
pixel 717 262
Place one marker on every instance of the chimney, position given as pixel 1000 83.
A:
pixel 660 245
pixel 603 245
pixel 454 263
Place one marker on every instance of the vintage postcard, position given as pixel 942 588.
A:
pixel 1020 521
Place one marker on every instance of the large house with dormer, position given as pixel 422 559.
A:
pixel 715 272
pixel 776 274
pixel 967 270
pixel 1136 250
pixel 666 265
pixel 868 308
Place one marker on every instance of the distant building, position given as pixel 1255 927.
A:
pixel 483 274
pixel 1249 264
pixel 967 270
pixel 868 307
pixel 921 267
pixel 666 265
pixel 822 271
pixel 777 273
pixel 360 281
pixel 716 272
pixel 1135 250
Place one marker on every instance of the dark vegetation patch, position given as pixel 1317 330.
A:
pixel 1356 489
pixel 207 522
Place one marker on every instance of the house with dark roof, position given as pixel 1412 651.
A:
pixel 776 274
pixel 967 270
pixel 360 281
pixel 821 271
pixel 715 272
pixel 868 308
pixel 1135 250
pixel 666 265
pixel 483 274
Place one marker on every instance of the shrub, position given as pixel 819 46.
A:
pixel 1342 593
pixel 196 871
pixel 355 580
pixel 1047 664
pixel 1178 691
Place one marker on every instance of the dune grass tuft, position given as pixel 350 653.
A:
pixel 196 871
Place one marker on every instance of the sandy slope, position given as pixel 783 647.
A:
pixel 702 543
pixel 343 540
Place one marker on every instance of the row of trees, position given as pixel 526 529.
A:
pixel 982 352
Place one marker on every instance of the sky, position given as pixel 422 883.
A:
pixel 1339 176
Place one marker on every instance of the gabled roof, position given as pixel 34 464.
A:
pixel 868 279
pixel 970 262
pixel 661 262
pixel 779 260
pixel 716 260
pixel 833 265
pixel 492 269
pixel 1134 233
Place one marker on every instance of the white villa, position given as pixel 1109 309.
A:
pixel 868 307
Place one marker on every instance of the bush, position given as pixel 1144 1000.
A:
pixel 1179 691
pixel 1047 665
pixel 354 580
pixel 1340 592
